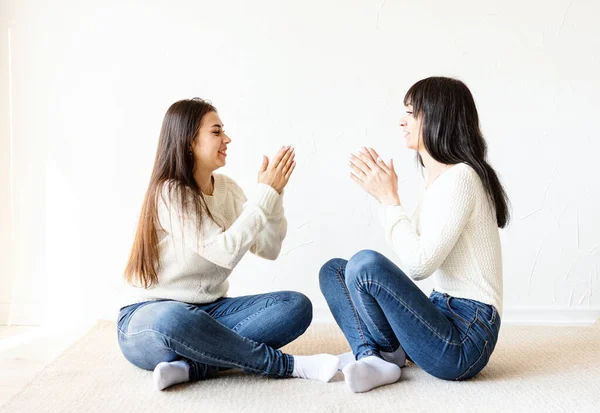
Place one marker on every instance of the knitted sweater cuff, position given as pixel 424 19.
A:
pixel 390 215
pixel 265 197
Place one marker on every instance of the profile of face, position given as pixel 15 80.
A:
pixel 210 144
pixel 412 129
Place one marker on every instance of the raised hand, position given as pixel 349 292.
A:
pixel 278 172
pixel 376 177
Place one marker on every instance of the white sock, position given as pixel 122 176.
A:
pixel 345 359
pixel 321 367
pixel 370 372
pixel 398 357
pixel 167 374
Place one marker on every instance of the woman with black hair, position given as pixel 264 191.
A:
pixel 452 235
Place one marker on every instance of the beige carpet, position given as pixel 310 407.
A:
pixel 534 369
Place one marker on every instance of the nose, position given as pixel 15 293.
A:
pixel 227 139
pixel 402 122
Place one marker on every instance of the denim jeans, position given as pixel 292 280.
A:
pixel 380 309
pixel 242 332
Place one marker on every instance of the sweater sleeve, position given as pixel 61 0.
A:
pixel 423 253
pixel 223 248
pixel 269 241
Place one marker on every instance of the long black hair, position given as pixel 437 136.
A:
pixel 451 133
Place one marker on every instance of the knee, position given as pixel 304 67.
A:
pixel 302 304
pixel 330 270
pixel 366 257
pixel 361 262
pixel 299 306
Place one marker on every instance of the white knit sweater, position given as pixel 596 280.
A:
pixel 452 235
pixel 194 267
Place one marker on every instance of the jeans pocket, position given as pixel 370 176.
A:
pixel 461 309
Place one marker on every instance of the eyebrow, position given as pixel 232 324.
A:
pixel 217 126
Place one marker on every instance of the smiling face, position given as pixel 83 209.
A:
pixel 210 144
pixel 412 127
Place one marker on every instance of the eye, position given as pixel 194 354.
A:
pixel 409 112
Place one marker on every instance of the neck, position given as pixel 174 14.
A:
pixel 204 181
pixel 433 167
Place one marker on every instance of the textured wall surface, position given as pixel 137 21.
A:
pixel 92 82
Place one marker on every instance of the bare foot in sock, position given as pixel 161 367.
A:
pixel 370 372
pixel 321 367
pixel 167 374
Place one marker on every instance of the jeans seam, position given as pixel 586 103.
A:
pixel 374 324
pixel 246 305
pixel 494 313
pixel 470 324
pixel 347 293
pixel 475 363
pixel 251 316
pixel 487 329
pixel 424 322
pixel 218 359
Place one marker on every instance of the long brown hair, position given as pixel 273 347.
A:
pixel 174 166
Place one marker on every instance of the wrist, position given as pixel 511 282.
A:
pixel 391 201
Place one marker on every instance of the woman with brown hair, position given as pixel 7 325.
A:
pixel 195 227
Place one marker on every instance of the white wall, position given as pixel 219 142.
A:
pixel 5 224
pixel 92 82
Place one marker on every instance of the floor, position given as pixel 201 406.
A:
pixel 534 369
pixel 24 351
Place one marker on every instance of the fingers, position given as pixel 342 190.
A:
pixel 356 179
pixel 368 157
pixel 265 164
pixel 383 166
pixel 290 170
pixel 377 160
pixel 279 157
pixel 287 161
pixel 359 163
pixel 375 156
pixel 371 151
pixel 356 171
pixel 287 166
pixel 387 167
pixel 390 165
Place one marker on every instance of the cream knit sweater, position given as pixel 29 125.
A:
pixel 194 267
pixel 452 235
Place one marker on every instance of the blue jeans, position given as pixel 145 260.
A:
pixel 380 309
pixel 242 332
